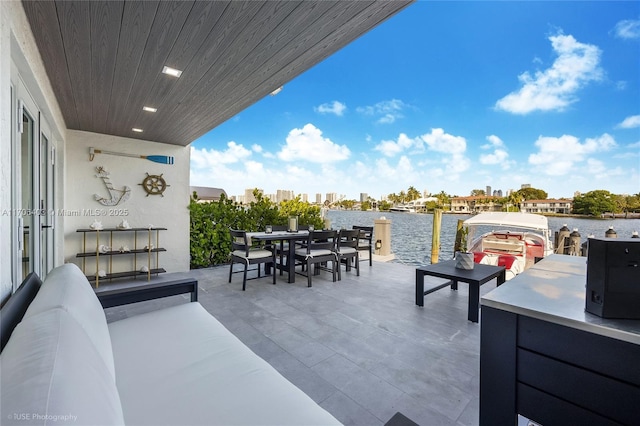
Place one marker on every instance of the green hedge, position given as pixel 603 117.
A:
pixel 211 221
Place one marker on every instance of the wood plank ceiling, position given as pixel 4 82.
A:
pixel 104 58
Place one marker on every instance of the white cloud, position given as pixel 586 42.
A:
pixel 453 162
pixel 630 122
pixel 439 141
pixel 203 158
pixel 494 142
pixel 621 85
pixel 256 148
pixel 387 111
pixel 391 148
pixel 627 29
pixel 335 107
pixel 558 156
pixel 308 144
pixel 554 88
pixel 499 155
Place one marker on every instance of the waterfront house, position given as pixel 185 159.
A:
pixel 562 206
pixel 138 78
pixel 476 204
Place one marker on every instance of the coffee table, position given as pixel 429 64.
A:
pixel 475 277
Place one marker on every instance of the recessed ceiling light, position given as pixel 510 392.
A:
pixel 278 90
pixel 149 109
pixel 135 129
pixel 171 71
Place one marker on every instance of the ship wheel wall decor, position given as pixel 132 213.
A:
pixel 154 185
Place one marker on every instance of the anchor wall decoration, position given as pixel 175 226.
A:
pixel 117 195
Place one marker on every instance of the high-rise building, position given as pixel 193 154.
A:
pixel 525 186
pixel 332 197
pixel 284 195
pixel 305 198
pixel 363 197
pixel 488 191
pixel 318 198
pixel 248 195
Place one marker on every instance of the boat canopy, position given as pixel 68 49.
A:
pixel 512 219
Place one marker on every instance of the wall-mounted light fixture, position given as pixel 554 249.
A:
pixel 378 244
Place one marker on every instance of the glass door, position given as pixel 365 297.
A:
pixel 25 196
pixel 33 162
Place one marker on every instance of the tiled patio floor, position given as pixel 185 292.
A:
pixel 359 347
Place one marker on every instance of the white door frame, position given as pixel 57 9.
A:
pixel 30 213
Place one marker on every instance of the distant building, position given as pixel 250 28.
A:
pixel 332 197
pixel 525 186
pixel 318 198
pixel 363 197
pixel 206 193
pixel 475 204
pixel 488 191
pixel 305 198
pixel 284 195
pixel 248 195
pixel 547 206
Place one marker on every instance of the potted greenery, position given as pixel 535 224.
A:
pixel 464 258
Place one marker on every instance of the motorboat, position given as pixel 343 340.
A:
pixel 510 239
pixel 401 209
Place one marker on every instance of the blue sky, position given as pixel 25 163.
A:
pixel 450 96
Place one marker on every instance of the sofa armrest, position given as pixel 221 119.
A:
pixel 141 293
pixel 15 307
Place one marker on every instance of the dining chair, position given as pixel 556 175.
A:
pixel 243 251
pixel 281 247
pixel 319 250
pixel 347 250
pixel 365 241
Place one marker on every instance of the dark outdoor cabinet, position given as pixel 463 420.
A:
pixel 543 357
pixel 613 278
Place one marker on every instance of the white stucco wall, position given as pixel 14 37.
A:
pixel 5 150
pixel 169 211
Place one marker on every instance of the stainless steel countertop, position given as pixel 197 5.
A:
pixel 554 290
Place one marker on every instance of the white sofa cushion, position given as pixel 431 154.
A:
pixel 179 365
pixel 66 287
pixel 51 373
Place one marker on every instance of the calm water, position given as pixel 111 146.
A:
pixel 411 233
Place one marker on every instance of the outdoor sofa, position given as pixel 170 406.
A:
pixel 63 364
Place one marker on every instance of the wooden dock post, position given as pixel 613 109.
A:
pixel 435 236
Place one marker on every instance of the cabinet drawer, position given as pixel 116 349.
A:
pixel 548 410
pixel 605 355
pixel 608 397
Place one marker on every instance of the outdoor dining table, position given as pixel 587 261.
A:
pixel 282 236
pixel 475 277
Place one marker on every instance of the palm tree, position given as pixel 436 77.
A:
pixel 412 194
pixel 443 199
pixel 515 198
